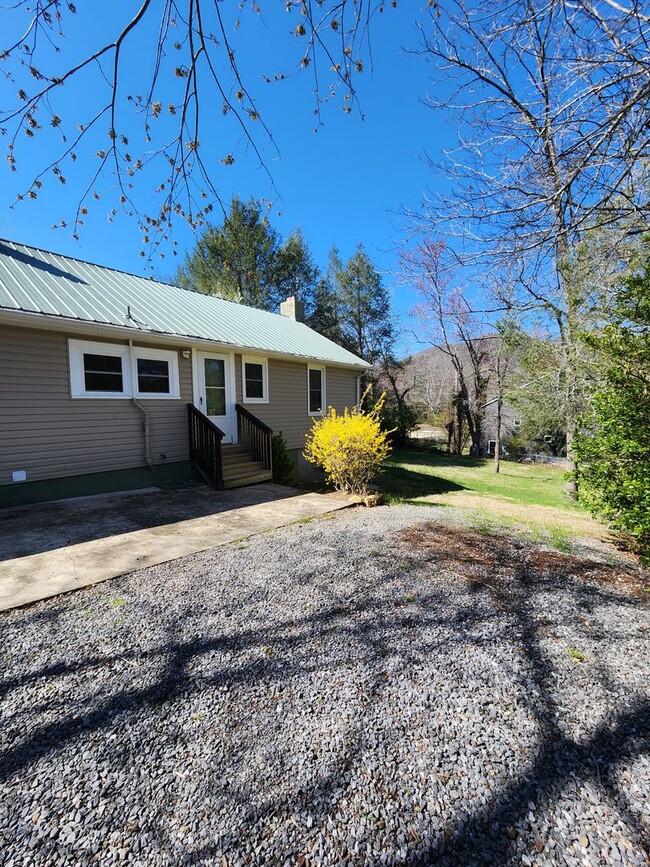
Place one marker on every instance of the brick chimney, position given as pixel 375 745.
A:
pixel 293 308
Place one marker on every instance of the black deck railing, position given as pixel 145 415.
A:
pixel 205 445
pixel 255 435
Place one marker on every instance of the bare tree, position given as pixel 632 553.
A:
pixel 432 381
pixel 553 126
pixel 503 358
pixel 448 323
pixel 151 124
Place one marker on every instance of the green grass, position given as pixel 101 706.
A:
pixel 576 655
pixel 412 474
pixel 522 499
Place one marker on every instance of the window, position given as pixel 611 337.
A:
pixel 103 373
pixel 215 386
pixel 316 390
pixel 114 370
pixel 153 375
pixel 99 369
pixel 255 380
pixel 156 372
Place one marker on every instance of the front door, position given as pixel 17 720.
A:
pixel 215 399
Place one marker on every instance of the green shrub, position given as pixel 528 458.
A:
pixel 283 467
pixel 398 420
pixel 613 444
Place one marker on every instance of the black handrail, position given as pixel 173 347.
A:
pixel 255 435
pixel 205 445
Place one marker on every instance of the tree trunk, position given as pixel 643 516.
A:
pixel 572 484
pixel 460 417
pixel 497 443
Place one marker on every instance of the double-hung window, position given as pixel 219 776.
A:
pixel 316 390
pixel 156 373
pixel 114 370
pixel 255 380
pixel 99 369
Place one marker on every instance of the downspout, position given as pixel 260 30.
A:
pixel 146 426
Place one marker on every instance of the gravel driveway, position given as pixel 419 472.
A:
pixel 373 688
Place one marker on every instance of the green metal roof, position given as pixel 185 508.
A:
pixel 62 288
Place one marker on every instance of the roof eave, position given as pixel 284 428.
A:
pixel 62 323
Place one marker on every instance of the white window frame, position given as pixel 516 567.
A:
pixel 76 350
pixel 171 357
pixel 255 359
pixel 323 408
pixel 129 356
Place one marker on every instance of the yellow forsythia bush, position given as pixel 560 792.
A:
pixel 349 447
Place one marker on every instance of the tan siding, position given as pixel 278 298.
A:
pixel 50 435
pixel 286 410
pixel 341 388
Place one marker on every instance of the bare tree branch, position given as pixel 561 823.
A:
pixel 193 63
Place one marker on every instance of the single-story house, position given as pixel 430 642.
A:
pixel 109 381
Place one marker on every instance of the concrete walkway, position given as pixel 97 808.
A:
pixel 57 547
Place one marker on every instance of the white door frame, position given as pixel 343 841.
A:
pixel 198 388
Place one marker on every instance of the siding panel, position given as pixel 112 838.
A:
pixel 286 410
pixel 49 434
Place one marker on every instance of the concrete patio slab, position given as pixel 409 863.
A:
pixel 57 547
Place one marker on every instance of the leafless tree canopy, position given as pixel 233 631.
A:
pixel 151 125
pixel 553 127
pixel 552 104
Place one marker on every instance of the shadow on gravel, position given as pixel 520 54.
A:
pixel 506 574
pixel 509 572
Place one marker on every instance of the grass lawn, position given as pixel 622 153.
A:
pixel 526 495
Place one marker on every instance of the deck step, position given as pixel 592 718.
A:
pixel 237 460
pixel 240 467
pixel 229 451
pixel 250 469
pixel 254 479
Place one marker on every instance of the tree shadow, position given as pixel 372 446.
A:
pixel 494 584
pixel 401 482
pixel 433 458
pixel 40 265
pixel 42 527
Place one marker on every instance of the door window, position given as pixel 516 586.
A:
pixel 215 386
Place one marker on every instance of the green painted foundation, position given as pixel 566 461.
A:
pixel 303 470
pixel 163 475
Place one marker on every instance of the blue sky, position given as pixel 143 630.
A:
pixel 343 184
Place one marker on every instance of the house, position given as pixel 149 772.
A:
pixel 510 426
pixel 110 381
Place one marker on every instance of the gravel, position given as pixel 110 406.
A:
pixel 376 687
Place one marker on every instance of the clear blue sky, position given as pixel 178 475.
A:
pixel 343 184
